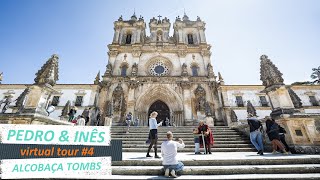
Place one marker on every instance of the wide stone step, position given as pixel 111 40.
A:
pixel 220 170
pixel 164 136
pixel 190 149
pixel 174 133
pixel 189 142
pixel 192 146
pixel 221 162
pixel 184 139
pixel 305 176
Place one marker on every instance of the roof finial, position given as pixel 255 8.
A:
pixel 184 11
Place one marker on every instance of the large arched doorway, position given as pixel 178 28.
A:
pixel 162 109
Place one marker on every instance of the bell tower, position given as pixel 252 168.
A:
pixel 159 30
pixel 189 32
pixel 129 32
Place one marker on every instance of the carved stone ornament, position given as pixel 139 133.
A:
pixel 113 53
pixel 136 53
pixel 49 72
pixel 184 70
pixel 250 109
pixel 233 116
pixel 185 84
pixel 182 53
pixel 97 79
pixel 269 73
pixel 295 98
pixel 133 84
pixel 208 109
pixel 205 53
pixel 210 70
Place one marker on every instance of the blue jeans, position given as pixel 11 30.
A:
pixel 256 140
pixel 177 167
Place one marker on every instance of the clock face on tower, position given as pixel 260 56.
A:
pixel 158 69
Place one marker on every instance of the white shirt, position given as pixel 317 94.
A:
pixel 153 123
pixel 81 122
pixel 169 152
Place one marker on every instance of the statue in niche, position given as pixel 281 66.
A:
pixel 108 109
pixel 184 69
pixel 22 99
pixel 208 110
pixel 134 69
pixel 108 70
pixel 159 37
pixel 201 104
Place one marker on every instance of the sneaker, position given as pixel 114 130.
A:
pixel 198 153
pixel 259 152
pixel 166 172
pixel 156 156
pixel 173 173
pixel 148 155
pixel 274 152
pixel 285 152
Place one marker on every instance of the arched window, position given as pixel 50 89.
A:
pixel 128 38
pixel 124 71
pixel 190 39
pixel 194 70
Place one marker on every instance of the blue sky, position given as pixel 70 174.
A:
pixel 288 31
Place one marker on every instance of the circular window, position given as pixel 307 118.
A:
pixel 158 69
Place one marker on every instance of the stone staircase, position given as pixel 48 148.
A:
pixel 226 139
pixel 233 158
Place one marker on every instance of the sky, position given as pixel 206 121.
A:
pixel 240 31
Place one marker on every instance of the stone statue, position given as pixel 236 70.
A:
pixel 134 69
pixel 7 101
pixel 159 37
pixel 295 98
pixel 118 98
pixel 233 116
pixel 198 18
pixel 48 74
pixel 269 73
pixel 120 18
pixel 210 70
pixel 184 70
pixel 108 70
pixel 250 109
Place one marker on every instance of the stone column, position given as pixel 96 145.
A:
pixel 188 121
pixel 202 35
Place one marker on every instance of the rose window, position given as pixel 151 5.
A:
pixel 158 69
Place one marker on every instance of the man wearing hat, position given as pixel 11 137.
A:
pixel 255 132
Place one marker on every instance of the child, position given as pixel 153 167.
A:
pixel 196 141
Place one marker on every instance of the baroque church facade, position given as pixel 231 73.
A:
pixel 172 75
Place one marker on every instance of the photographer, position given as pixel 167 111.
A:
pixel 169 152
